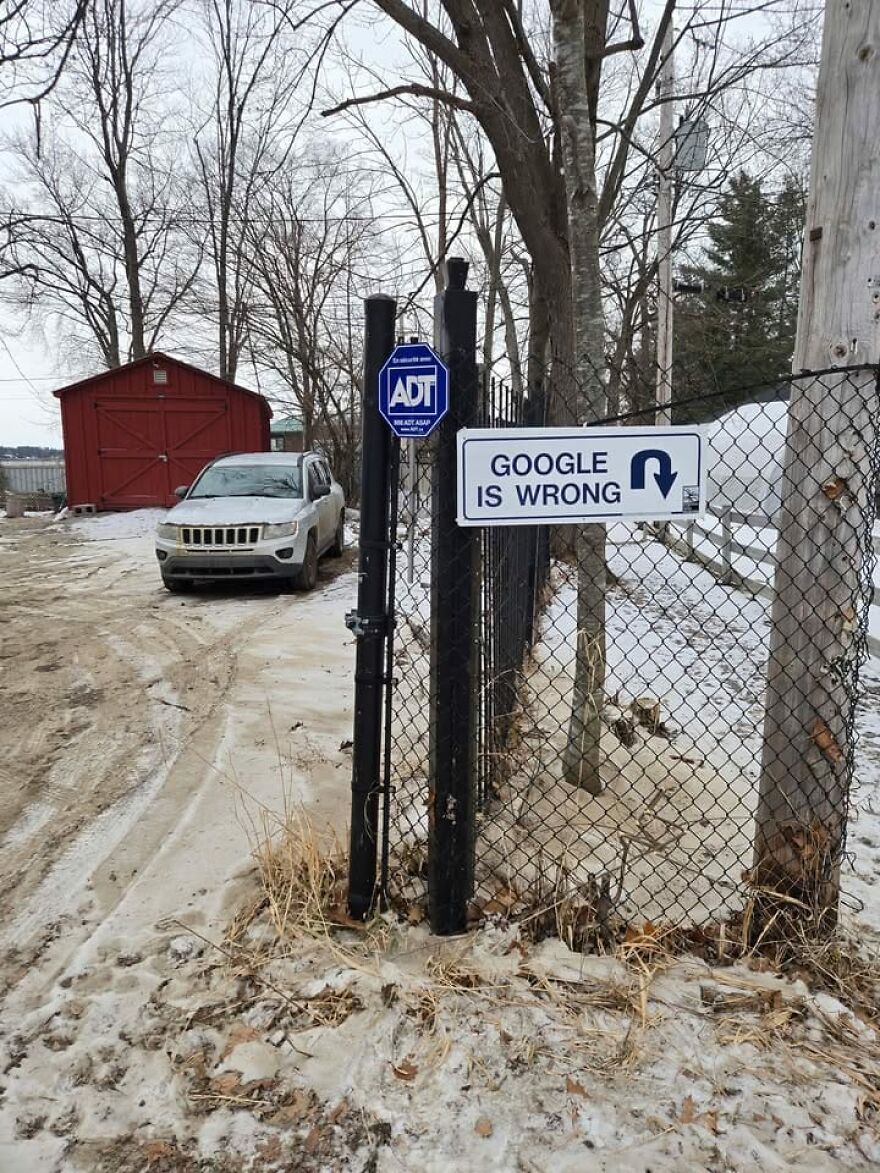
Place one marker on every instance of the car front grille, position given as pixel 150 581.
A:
pixel 216 537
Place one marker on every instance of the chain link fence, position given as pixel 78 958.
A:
pixel 690 773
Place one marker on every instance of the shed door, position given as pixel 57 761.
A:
pixel 149 447
pixel 196 430
pixel 131 446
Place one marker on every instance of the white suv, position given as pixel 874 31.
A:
pixel 254 515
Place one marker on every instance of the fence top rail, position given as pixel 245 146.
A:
pixel 38 462
pixel 754 520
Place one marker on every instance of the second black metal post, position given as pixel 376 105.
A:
pixel 454 615
pixel 370 621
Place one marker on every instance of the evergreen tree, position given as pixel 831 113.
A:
pixel 738 334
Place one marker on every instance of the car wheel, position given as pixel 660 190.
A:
pixel 308 575
pixel 338 547
pixel 177 586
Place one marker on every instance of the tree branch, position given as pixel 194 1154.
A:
pixel 414 88
pixel 616 169
pixel 636 41
pixel 425 32
pixel 538 79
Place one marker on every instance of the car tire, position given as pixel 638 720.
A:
pixel 338 547
pixel 307 578
pixel 177 586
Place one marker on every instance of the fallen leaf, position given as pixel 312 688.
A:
pixel 505 896
pixel 339 1111
pixel 710 1119
pixel 270 1150
pixel 688 1111
pixel 339 916
pixel 292 1112
pixel 405 1070
pixel 823 738
pixel 227 1084
pixel 157 1150
pixel 574 1088
pixel 833 488
pixel 483 1127
pixel 416 914
pixel 311 1141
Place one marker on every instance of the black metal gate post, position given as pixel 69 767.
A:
pixel 370 621
pixel 454 615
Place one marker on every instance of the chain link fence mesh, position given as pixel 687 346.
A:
pixel 665 830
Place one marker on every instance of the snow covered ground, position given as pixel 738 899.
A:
pixel 673 828
pixel 153 1021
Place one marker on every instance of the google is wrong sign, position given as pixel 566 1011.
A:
pixel 539 476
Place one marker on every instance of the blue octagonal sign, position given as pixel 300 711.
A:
pixel 413 390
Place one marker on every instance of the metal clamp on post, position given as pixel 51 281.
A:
pixel 366 624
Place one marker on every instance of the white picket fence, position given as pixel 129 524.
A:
pixel 739 549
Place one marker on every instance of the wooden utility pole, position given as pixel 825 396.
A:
pixel 666 164
pixel 822 584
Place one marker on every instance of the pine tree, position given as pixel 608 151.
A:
pixel 738 334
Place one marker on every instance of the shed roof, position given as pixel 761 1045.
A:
pixel 287 424
pixel 151 358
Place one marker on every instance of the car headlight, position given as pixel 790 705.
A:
pixel 167 530
pixel 284 529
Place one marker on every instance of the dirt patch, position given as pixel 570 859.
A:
pixel 107 683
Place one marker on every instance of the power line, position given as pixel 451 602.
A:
pixel 175 219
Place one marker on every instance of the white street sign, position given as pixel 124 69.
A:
pixel 536 476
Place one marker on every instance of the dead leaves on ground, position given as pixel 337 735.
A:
pixel 405 1070
pixel 690 1115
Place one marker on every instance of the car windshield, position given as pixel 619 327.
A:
pixel 249 480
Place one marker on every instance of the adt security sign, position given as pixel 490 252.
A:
pixel 539 476
pixel 413 390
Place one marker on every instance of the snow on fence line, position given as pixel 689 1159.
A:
pixel 739 549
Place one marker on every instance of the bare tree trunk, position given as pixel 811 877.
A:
pixel 582 753
pixel 539 337
pixel 132 271
pixel 822 583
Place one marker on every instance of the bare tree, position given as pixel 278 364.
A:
pixel 490 221
pixel 310 239
pixel 260 54
pixel 524 132
pixel 102 245
pixel 566 139
pixel 116 65
pixel 36 39
pixel 66 259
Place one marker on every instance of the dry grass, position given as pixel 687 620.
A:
pixel 302 874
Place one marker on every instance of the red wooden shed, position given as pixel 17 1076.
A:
pixel 133 434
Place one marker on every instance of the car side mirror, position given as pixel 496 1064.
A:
pixel 320 491
pixel 181 491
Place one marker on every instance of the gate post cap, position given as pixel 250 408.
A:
pixel 456 272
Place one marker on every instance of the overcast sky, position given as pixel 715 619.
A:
pixel 29 370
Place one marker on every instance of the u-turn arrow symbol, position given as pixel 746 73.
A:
pixel 665 478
